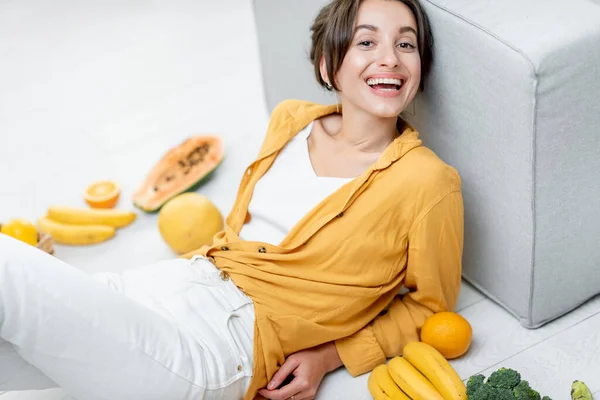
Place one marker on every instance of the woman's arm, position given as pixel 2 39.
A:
pixel 433 278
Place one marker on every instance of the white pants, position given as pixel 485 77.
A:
pixel 173 330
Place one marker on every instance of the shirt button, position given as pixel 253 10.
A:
pixel 261 249
pixel 239 368
pixel 224 275
pixel 224 248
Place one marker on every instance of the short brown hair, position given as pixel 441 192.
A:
pixel 333 29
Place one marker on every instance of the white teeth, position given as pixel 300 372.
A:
pixel 379 81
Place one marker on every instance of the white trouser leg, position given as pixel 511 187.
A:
pixel 97 343
pixel 18 374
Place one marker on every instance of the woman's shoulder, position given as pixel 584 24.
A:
pixel 430 171
pixel 295 108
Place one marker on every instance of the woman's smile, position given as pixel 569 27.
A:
pixel 386 85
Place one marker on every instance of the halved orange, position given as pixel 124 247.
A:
pixel 102 194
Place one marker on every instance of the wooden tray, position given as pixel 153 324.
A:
pixel 45 242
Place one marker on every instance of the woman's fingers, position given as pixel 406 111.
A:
pixel 282 373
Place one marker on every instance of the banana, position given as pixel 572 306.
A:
pixel 75 234
pixel 411 381
pixel 434 366
pixel 383 387
pixel 580 391
pixel 91 216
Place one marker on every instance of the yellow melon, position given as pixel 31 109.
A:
pixel 189 221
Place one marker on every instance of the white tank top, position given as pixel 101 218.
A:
pixel 287 192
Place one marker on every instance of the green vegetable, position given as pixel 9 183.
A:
pixel 524 392
pixel 474 383
pixel 504 378
pixel 503 394
pixel 580 391
pixel 483 392
pixel 502 384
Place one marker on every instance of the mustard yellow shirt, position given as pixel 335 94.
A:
pixel 337 273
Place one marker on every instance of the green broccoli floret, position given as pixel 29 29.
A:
pixel 474 383
pixel 503 394
pixel 483 392
pixel 486 392
pixel 504 378
pixel 546 398
pixel 524 392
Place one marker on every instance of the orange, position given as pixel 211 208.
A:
pixel 22 230
pixel 102 194
pixel 448 332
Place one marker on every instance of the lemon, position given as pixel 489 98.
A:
pixel 22 230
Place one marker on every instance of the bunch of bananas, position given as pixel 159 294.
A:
pixel 421 373
pixel 83 226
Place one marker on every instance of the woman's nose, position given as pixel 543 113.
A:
pixel 388 57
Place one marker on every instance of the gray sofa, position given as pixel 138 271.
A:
pixel 513 103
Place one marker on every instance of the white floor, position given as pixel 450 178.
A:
pixel 99 90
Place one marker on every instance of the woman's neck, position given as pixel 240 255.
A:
pixel 362 131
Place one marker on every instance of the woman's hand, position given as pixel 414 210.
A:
pixel 308 368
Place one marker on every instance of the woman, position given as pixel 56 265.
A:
pixel 342 208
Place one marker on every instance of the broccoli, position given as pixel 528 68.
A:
pixel 483 392
pixel 502 384
pixel 474 383
pixel 504 378
pixel 487 392
pixel 503 394
pixel 524 392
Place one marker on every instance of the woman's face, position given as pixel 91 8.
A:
pixel 381 71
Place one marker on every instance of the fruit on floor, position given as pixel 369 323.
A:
pixel 432 364
pixel 183 168
pixel 580 391
pixel 382 386
pixel 91 216
pixel 189 221
pixel 102 194
pixel 75 234
pixel 448 332
pixel 411 381
pixel 22 230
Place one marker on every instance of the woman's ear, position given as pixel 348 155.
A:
pixel 323 70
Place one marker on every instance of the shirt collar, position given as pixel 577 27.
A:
pixel 293 115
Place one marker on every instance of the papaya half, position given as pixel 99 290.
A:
pixel 181 169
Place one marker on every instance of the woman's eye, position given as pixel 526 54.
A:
pixel 406 45
pixel 365 43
